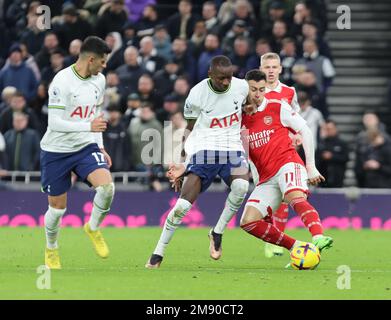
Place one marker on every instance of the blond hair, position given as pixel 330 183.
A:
pixel 269 56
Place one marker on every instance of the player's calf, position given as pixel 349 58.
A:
pixel 102 203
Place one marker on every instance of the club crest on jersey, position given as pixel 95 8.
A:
pixel 84 112
pixel 268 120
pixel 224 122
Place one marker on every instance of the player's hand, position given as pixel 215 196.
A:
pixel 314 177
pixel 297 140
pixel 107 157
pixel 175 175
pixel 249 108
pixel 99 124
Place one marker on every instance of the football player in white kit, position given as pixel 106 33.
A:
pixel 73 143
pixel 213 110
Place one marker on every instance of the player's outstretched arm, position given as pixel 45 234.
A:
pixel 314 177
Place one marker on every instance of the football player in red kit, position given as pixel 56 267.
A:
pixel 282 174
pixel 271 66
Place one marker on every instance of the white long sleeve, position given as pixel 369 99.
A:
pixel 57 123
pixel 309 150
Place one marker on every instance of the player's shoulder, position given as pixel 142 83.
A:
pixel 288 88
pixel 63 76
pixel 240 83
pixel 100 78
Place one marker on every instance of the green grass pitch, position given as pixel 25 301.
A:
pixel 187 271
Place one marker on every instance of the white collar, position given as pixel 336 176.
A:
pixel 262 106
pixel 278 88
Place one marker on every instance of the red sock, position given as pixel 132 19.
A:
pixel 269 233
pixel 308 215
pixel 281 217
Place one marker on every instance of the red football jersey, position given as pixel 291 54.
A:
pixel 285 93
pixel 267 135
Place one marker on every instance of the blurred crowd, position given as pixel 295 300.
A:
pixel 155 60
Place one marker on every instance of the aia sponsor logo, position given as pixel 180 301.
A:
pixel 225 122
pixel 84 112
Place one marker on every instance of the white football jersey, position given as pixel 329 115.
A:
pixel 218 114
pixel 78 98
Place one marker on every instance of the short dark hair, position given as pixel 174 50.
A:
pixel 220 61
pixel 95 45
pixel 256 75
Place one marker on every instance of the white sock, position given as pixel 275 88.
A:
pixel 317 237
pixel 102 202
pixel 234 200
pixel 174 219
pixel 52 222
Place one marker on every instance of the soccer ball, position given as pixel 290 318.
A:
pixel 305 256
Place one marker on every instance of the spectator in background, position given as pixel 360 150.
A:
pixel 149 21
pixel 32 36
pixel 117 141
pixel 162 42
pixel 238 30
pixel 314 118
pixel 165 79
pixel 116 57
pixel 181 90
pixel 197 39
pixel 173 135
pixel 39 106
pixel 305 80
pixel 3 161
pixel 310 31
pixel 226 11
pixel 22 145
pixel 136 8
pixel 181 24
pixel 279 32
pixel 133 107
pixel 170 106
pixel 146 91
pixel 243 11
pixel 302 14
pixel 139 126
pixel 112 18
pixel 56 64
pixel 130 72
pixel 17 104
pixel 129 35
pixel 30 61
pixel 242 58
pixel 6 95
pixel 321 66
pixel 182 56
pixel 271 12
pixel 150 60
pixel 71 26
pixel 50 44
pixel 288 59
pixel 74 50
pixel 212 49
pixel 209 16
pixel 371 123
pixel 332 155
pixel 17 74
pixel 262 46
pixel 373 164
pixel 114 90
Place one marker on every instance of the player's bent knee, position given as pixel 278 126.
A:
pixel 105 193
pixel 240 187
pixel 56 212
pixel 176 215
